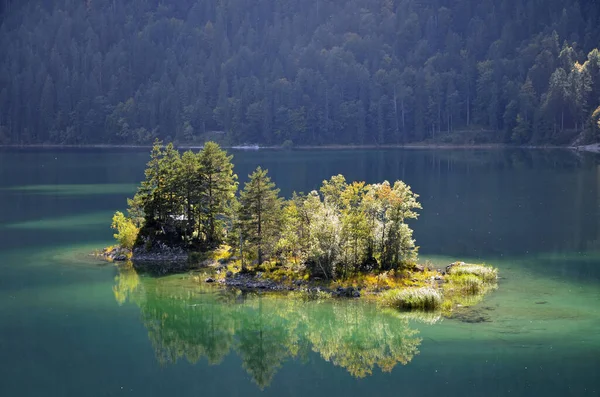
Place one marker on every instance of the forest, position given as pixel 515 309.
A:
pixel 310 72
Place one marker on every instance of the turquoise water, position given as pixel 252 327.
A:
pixel 73 326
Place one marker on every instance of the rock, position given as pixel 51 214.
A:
pixel 450 266
pixel 210 280
pixel 349 292
pixel 120 258
pixel 419 268
pixel 298 283
pixel 229 274
pixel 471 316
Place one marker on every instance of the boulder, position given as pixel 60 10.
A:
pixel 349 292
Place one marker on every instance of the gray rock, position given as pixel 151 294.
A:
pixel 120 258
pixel 349 292
pixel 229 274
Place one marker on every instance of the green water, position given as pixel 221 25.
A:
pixel 73 326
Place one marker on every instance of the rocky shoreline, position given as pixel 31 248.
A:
pixel 159 253
pixel 163 260
pixel 253 282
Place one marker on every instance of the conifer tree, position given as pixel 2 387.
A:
pixel 260 214
pixel 218 185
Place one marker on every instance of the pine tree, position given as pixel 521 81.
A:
pixel 260 214
pixel 218 186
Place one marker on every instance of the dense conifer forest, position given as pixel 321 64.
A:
pixel 307 72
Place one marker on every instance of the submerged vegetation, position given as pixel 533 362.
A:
pixel 346 239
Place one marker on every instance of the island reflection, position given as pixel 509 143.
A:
pixel 192 321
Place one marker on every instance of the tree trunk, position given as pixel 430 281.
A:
pixel 259 213
pixel 242 252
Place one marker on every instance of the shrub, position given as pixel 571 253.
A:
pixel 487 274
pixel 427 299
pixel 468 283
pixel 127 232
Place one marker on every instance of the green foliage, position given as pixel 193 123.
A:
pixel 190 201
pixel 217 186
pixel 593 131
pixel 260 215
pixel 467 282
pixel 126 230
pixel 186 199
pixel 358 72
pixel 426 299
pixel 487 274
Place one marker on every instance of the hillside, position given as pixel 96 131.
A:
pixel 308 71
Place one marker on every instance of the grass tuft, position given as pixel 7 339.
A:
pixel 426 299
pixel 467 283
pixel 487 274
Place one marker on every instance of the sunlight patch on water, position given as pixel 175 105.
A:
pixel 529 308
pixel 76 189
pixel 89 221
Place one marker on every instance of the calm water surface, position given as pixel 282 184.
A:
pixel 71 326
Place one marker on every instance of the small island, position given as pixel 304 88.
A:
pixel 348 239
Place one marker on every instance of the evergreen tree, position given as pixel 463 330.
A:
pixel 192 71
pixel 260 214
pixel 218 185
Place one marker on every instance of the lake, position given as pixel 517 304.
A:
pixel 73 326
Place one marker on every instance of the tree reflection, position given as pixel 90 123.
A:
pixel 189 321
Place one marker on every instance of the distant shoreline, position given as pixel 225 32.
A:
pixel 593 148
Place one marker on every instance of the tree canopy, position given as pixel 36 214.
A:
pixel 189 201
pixel 308 72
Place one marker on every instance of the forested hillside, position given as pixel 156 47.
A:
pixel 307 71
